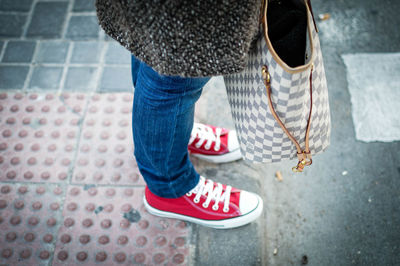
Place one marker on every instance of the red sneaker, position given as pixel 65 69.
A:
pixel 214 144
pixel 209 204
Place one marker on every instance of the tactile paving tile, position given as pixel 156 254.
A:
pixel 105 153
pixel 30 216
pixel 110 226
pixel 38 135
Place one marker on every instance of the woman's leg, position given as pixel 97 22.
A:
pixel 162 121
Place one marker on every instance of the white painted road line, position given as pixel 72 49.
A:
pixel 374 86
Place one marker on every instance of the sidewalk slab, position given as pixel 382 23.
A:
pixel 12 25
pixel 87 52
pixel 109 226
pixel 16 6
pixel 51 213
pixel 374 101
pixel 47 20
pixel 84 6
pixel 81 79
pixel 30 217
pixel 238 246
pixel 13 77
pixel 117 54
pixel 105 152
pixel 19 52
pixel 83 28
pixel 116 79
pixel 39 134
pixel 52 52
pixel 46 77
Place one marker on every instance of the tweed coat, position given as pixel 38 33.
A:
pixel 185 38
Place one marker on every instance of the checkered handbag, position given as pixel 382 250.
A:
pixel 281 112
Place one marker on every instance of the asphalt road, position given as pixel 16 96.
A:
pixel 345 209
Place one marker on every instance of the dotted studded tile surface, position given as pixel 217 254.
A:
pixel 105 153
pixel 111 226
pixel 38 135
pixel 30 216
pixel 71 192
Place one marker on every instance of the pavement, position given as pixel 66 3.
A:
pixel 70 190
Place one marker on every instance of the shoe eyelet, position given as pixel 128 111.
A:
pixel 197 146
pixel 226 210
pixel 215 148
pixel 196 200
pixel 215 207
pixel 205 206
pixel 189 194
pixel 207 147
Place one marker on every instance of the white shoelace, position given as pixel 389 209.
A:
pixel 204 133
pixel 212 193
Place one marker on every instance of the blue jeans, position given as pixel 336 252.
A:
pixel 162 120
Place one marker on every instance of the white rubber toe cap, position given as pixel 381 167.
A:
pixel 248 202
pixel 233 143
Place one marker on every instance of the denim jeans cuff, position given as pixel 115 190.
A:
pixel 178 187
pixel 181 187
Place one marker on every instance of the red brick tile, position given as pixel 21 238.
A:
pixel 30 216
pixel 38 135
pixel 110 225
pixel 105 153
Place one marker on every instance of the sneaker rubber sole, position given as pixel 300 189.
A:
pixel 226 158
pixel 217 224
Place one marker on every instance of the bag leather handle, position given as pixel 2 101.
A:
pixel 304 156
pixel 312 15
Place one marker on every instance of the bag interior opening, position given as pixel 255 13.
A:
pixel 287 30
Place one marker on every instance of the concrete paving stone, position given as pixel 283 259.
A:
pixel 361 14
pixel 30 216
pixel 214 100
pixel 110 225
pixel 46 77
pixel 106 37
pixel 83 28
pixel 16 6
pixel 344 209
pixel 39 134
pixel 84 5
pixel 48 19
pixel 86 52
pixel 13 77
pixel 117 54
pixel 52 52
pixel 81 79
pixel 109 39
pixel 105 152
pixel 19 52
pixel 116 79
pixel 75 101
pixel 373 116
pixel 350 215
pixel 238 246
pixel 12 25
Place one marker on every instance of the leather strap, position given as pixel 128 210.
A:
pixel 261 19
pixel 304 156
pixel 312 15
